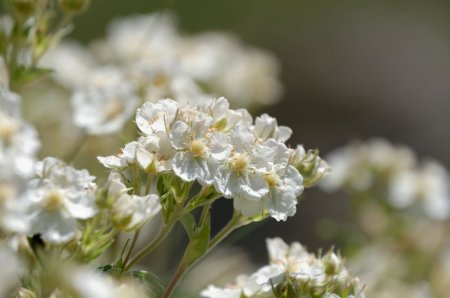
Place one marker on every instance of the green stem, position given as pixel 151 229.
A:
pixel 133 244
pixel 162 234
pixel 76 148
pixel 233 224
pixel 174 281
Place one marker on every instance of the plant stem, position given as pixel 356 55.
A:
pixel 233 224
pixel 133 244
pixel 76 148
pixel 173 282
pixel 162 234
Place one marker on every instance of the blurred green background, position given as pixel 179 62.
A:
pixel 351 69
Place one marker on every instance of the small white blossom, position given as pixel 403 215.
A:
pixel 292 264
pixel 71 63
pixel 105 102
pixel 57 198
pixel 13 269
pixel 18 139
pixel 130 212
pixel 267 127
pixel 152 37
pixel 429 185
pixel 199 152
pixel 155 117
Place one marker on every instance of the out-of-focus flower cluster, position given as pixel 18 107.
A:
pixel 144 58
pixel 402 207
pixel 293 272
pixel 396 176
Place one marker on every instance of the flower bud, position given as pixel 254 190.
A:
pixel 310 165
pixel 24 7
pixel 73 6
pixel 333 264
pixel 25 293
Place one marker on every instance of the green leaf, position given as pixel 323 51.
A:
pixel 151 281
pixel 23 75
pixel 188 222
pixel 198 244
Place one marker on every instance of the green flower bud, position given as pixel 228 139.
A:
pixel 310 165
pixel 73 6
pixel 25 293
pixel 24 7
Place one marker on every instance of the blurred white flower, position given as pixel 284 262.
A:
pixel 71 63
pixel 18 139
pixel 356 166
pixel 13 268
pixel 57 198
pixel 105 102
pixel 428 185
pixel 152 37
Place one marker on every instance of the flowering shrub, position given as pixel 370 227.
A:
pixel 61 228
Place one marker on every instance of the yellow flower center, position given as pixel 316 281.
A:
pixel 6 193
pixel 271 179
pixel 197 148
pixel 7 131
pixel 54 200
pixel 239 162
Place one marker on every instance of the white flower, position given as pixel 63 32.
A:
pixel 106 101
pixel 155 117
pixel 357 165
pixel 429 185
pixel 267 127
pixel 160 79
pixel 292 264
pixel 251 77
pixel 71 63
pixel 18 139
pixel 284 181
pixel 225 119
pixel 241 175
pixel 200 152
pixel 152 37
pixel 13 268
pixel 130 212
pixel 309 164
pixel 57 199
pixel 230 291
pixel 246 76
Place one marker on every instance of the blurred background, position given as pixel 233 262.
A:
pixel 350 69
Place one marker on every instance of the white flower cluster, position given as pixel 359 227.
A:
pixel 295 272
pixel 18 146
pixel 145 58
pixel 215 145
pixel 18 139
pixel 405 182
pixel 58 197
